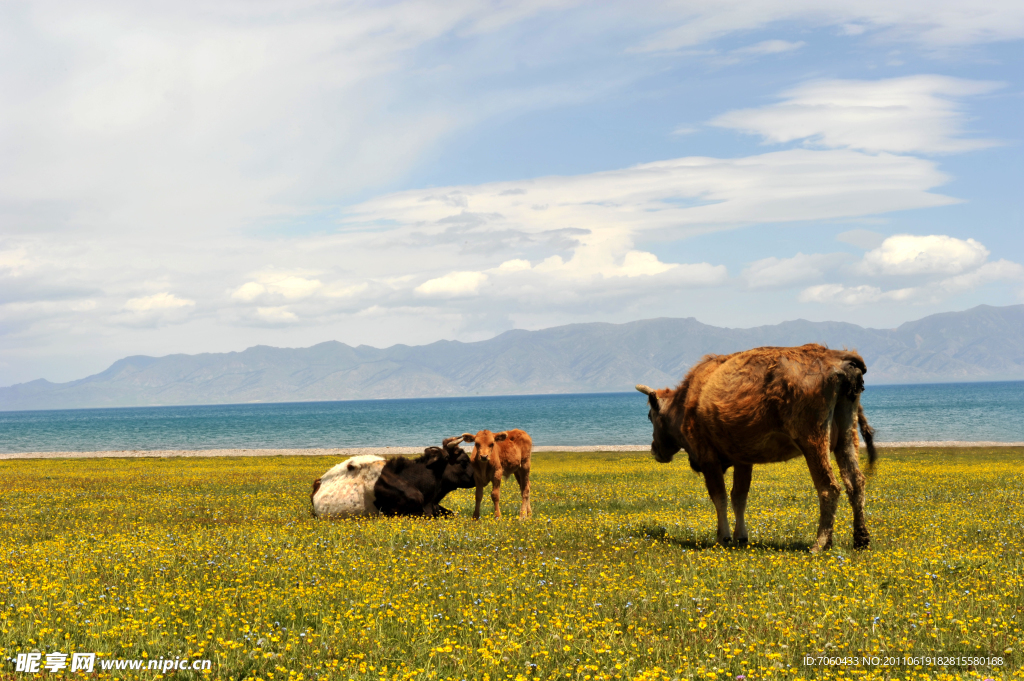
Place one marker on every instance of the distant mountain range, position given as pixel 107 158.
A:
pixel 982 344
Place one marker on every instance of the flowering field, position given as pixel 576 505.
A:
pixel 614 578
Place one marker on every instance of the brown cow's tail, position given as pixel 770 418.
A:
pixel 868 433
pixel 853 371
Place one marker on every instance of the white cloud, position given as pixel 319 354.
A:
pixel 452 284
pixel 292 287
pixel 697 275
pixel 1000 270
pixel 762 49
pixel 778 272
pixel 861 238
pixel 641 264
pixel 853 295
pixel 158 309
pixel 345 291
pixel 187 117
pixel 936 25
pixel 687 196
pixel 906 254
pixel 276 315
pixel 249 291
pixel 15 261
pixel 288 286
pixel 911 114
pixel 517 265
pixel 939 265
pixel 158 301
pixel 769 47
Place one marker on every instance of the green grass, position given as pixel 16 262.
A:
pixel 616 575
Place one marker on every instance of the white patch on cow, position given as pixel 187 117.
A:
pixel 346 491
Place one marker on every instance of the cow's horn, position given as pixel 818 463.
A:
pixel 644 389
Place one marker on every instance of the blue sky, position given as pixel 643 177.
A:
pixel 207 177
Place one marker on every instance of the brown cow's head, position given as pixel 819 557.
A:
pixel 666 440
pixel 483 443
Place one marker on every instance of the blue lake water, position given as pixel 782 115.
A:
pixel 954 411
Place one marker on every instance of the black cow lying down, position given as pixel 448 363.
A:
pixel 371 485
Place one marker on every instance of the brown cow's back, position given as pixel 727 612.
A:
pixel 747 403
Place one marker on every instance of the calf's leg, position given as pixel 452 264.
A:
pixel 479 498
pixel 523 478
pixel 816 454
pixel 741 476
pixel 495 494
pixel 714 480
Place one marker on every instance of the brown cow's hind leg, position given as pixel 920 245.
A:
pixel 816 454
pixel 853 481
pixel 715 482
pixel 741 475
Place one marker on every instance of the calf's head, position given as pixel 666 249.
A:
pixel 483 443
pixel 667 436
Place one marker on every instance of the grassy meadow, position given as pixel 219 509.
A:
pixel 615 577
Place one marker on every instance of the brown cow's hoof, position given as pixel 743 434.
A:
pixel 861 540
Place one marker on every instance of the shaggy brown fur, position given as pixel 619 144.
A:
pixel 496 456
pixel 766 405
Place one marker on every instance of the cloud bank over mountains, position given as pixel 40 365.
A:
pixel 191 179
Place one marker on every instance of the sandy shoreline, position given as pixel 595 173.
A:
pixel 382 451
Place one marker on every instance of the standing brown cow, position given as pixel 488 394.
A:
pixel 766 405
pixel 497 456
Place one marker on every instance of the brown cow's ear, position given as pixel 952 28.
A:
pixel 652 399
pixel 468 437
pixel 500 436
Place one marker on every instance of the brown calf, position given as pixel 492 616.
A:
pixel 497 456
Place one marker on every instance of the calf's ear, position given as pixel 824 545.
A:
pixel 500 436
pixel 468 437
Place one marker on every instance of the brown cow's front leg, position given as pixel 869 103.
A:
pixel 523 478
pixel 714 480
pixel 816 455
pixel 495 494
pixel 741 476
pixel 853 481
